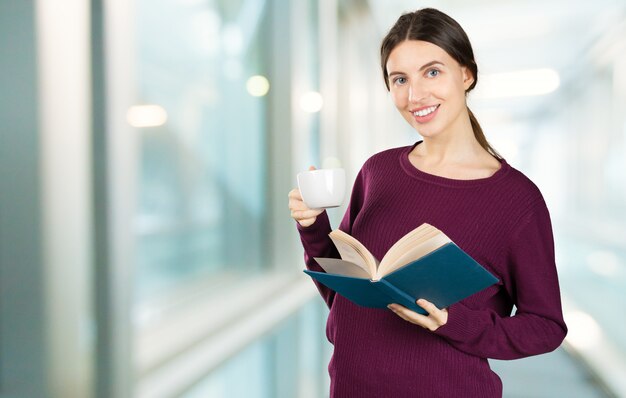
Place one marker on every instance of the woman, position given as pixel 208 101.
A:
pixel 455 181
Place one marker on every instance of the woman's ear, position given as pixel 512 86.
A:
pixel 468 77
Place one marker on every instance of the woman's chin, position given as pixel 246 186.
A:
pixel 427 133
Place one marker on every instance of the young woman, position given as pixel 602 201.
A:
pixel 455 181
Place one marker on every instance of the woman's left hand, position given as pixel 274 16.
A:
pixel 435 318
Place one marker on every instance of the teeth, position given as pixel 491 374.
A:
pixel 426 111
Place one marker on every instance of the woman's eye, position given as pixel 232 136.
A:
pixel 399 80
pixel 433 72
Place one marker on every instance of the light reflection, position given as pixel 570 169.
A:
pixel 146 116
pixel 311 102
pixel 258 86
pixel 522 83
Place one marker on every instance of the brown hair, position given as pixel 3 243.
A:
pixel 433 26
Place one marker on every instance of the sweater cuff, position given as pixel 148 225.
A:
pixel 458 324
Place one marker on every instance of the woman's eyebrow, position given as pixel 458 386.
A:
pixel 431 63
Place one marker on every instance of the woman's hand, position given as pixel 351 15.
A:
pixel 299 211
pixel 435 319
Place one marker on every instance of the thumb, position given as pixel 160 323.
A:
pixel 312 168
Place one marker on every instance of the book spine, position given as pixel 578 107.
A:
pixel 399 296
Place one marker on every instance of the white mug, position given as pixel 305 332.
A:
pixel 323 188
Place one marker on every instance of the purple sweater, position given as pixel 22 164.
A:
pixel 502 222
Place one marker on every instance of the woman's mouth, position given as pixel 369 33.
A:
pixel 426 114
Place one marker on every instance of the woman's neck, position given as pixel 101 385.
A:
pixel 448 148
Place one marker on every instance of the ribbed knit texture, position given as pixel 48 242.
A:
pixel 502 222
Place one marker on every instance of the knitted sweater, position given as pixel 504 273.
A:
pixel 502 222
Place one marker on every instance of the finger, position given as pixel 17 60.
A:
pixel 295 194
pixel 307 222
pixel 397 309
pixel 302 214
pixel 308 213
pixel 312 168
pixel 295 204
pixel 435 313
pixel 428 306
pixel 414 317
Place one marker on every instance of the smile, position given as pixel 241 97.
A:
pixel 427 111
pixel 425 114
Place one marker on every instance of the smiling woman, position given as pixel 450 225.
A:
pixel 454 180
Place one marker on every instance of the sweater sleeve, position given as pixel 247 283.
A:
pixel 531 280
pixel 316 241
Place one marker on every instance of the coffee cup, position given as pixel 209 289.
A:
pixel 323 188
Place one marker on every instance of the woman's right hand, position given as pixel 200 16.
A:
pixel 299 211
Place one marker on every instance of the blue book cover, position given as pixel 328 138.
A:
pixel 444 276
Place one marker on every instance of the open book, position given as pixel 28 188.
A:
pixel 424 263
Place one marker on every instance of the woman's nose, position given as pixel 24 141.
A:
pixel 416 93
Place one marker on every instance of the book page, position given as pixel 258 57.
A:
pixel 342 267
pixel 414 245
pixel 420 234
pixel 415 253
pixel 353 251
pixel 417 235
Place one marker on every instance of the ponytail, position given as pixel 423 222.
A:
pixel 480 136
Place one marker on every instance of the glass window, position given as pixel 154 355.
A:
pixel 290 362
pixel 202 174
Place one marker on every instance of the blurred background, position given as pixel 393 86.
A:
pixel 147 148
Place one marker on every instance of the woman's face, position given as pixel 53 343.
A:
pixel 428 87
